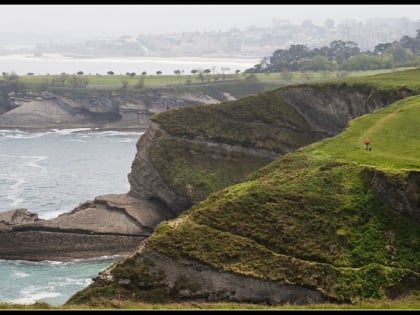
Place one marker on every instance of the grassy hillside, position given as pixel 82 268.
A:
pixel 393 133
pixel 310 218
pixel 408 78
pixel 263 121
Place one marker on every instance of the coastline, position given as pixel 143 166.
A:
pixel 75 128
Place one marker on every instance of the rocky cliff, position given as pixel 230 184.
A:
pixel 117 109
pixel 109 225
pixel 306 228
pixel 188 155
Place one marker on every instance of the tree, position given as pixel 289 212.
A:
pixel 207 73
pixel 319 63
pixel 159 72
pixel 178 73
pixel 144 73
pixel 340 51
pixel 79 72
pixel 110 72
pixel 201 76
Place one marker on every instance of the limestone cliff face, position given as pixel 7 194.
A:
pixel 103 108
pixel 185 279
pixel 329 108
pixel 100 109
pixel 145 180
pixel 322 111
pixel 174 169
pixel 400 191
pixel 43 110
pixel 109 225
pixel 326 111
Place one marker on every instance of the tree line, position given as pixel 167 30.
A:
pixel 342 55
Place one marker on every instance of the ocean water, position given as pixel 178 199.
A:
pixel 51 173
pixel 56 64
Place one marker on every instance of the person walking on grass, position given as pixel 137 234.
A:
pixel 367 142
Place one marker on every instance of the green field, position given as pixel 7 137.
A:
pixel 394 138
pixel 112 81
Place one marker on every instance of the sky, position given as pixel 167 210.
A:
pixel 115 20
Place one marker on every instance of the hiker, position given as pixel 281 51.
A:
pixel 367 142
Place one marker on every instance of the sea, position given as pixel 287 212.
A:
pixel 50 173
pixel 53 172
pixel 22 64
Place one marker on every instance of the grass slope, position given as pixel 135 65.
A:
pixel 311 219
pixel 394 138
pixel 258 121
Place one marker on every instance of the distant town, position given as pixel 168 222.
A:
pixel 250 42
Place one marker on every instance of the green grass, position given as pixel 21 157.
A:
pixel 189 171
pixel 396 78
pixel 263 121
pixel 313 212
pixel 151 80
pixel 110 80
pixel 409 302
pixel 394 138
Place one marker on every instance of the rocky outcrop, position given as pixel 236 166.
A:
pixel 117 224
pixel 109 225
pixel 116 109
pixel 326 110
pixel 43 110
pixel 184 279
pixel 145 181
pixel 400 191
pixel 16 217
pixel 329 108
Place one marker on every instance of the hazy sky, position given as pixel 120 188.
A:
pixel 115 20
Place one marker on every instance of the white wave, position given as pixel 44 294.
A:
pixel 127 140
pixel 99 258
pixel 14 192
pixel 29 262
pixel 9 130
pixel 35 160
pixel 77 140
pixel 52 262
pixel 34 297
pixel 69 131
pixel 23 135
pixel 70 281
pixel 21 274
pixel 50 214
pixel 117 133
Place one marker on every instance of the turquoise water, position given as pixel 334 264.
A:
pixel 51 173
